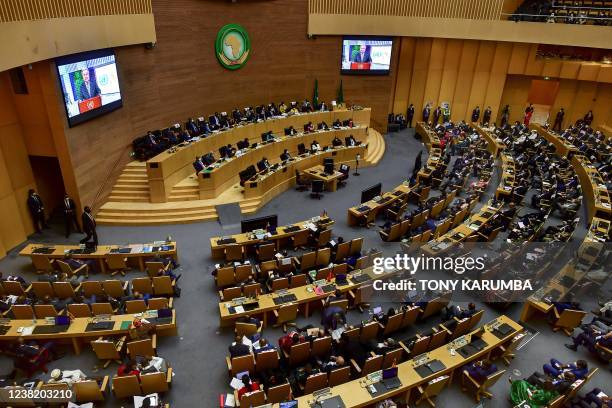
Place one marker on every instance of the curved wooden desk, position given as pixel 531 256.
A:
pixel 507 183
pixel 305 295
pixel 430 137
pixel 246 239
pixel 136 257
pixel 596 193
pixel 563 148
pixel 170 167
pixel 599 227
pixel 495 145
pixel 370 209
pixel 77 331
pixel 224 174
pixel 273 182
pixel 355 394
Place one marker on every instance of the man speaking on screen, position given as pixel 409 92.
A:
pixel 362 55
pixel 88 89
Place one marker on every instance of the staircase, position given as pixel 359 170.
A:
pixel 155 214
pixel 186 190
pixel 132 185
pixel 128 203
pixel 376 148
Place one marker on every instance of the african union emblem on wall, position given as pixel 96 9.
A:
pixel 232 46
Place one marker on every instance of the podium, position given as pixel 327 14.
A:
pixel 360 66
pixel 90 104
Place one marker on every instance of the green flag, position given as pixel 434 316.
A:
pixel 340 96
pixel 315 96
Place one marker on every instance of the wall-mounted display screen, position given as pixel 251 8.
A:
pixel 89 83
pixel 366 55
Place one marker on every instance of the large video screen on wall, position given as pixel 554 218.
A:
pixel 89 83
pixel 366 55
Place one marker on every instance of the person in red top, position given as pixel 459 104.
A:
pixel 292 337
pixel 128 368
pixel 248 386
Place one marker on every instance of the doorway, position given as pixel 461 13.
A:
pixel 49 182
pixel 542 94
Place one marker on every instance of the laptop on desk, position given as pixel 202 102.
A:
pixel 390 378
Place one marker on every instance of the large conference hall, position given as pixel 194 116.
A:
pixel 305 203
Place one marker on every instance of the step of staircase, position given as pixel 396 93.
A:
pixel 174 197
pixel 131 187
pixel 128 199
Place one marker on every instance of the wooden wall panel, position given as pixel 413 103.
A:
pixel 404 75
pixel 482 73
pixel 450 71
pixel 605 74
pixel 515 94
pixel 588 72
pixel 434 73
pixel 552 68
pixel 586 94
pixel 602 105
pixel 181 77
pixel 12 229
pixel 565 98
pixel 32 114
pixel 534 66
pixel 419 76
pixel 15 173
pixel 518 59
pixel 499 69
pixel 469 53
pixel 570 69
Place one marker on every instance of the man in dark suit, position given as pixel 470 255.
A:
pixel 37 209
pixel 263 164
pixel 198 165
pixel 192 127
pixel 410 115
pixel 285 155
pixel 559 120
pixel 88 89
pixel 238 349
pixel 476 114
pixel 70 217
pixel 89 226
pixel 363 55
pixel 486 117
pixel 436 115
pixel 426 112
pixel 350 141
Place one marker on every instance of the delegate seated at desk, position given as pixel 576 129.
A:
pixel 267 136
pixel 208 159
pixel 227 151
pixel 322 126
pixel 315 146
pixel 350 141
pixel 285 155
pixel 243 144
pixel 336 142
pixel 263 164
pixel 308 127
pixel 290 131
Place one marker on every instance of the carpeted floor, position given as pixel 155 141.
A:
pixel 198 352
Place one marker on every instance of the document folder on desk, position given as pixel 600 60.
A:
pixel 43 250
pixel 503 330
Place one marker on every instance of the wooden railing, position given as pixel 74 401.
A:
pixel 465 9
pixel 22 10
